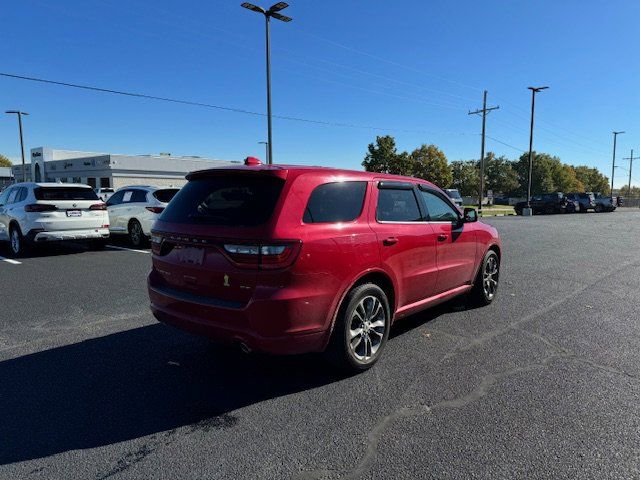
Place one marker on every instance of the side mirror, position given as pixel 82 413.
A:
pixel 470 215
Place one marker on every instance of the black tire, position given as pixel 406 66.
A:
pixel 344 351
pixel 136 235
pixel 483 294
pixel 598 209
pixel 17 243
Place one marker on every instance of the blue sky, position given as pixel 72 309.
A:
pixel 411 69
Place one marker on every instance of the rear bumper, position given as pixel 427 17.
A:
pixel 267 325
pixel 38 236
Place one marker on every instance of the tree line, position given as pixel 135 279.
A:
pixel 502 175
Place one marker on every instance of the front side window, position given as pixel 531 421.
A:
pixel 116 198
pixel 397 205
pixel 4 196
pixel 335 202
pixel 438 209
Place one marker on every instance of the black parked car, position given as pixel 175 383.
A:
pixel 605 204
pixel 587 200
pixel 548 203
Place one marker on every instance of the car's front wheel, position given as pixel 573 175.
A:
pixel 16 241
pixel 361 330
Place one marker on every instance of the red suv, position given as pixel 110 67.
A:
pixel 291 259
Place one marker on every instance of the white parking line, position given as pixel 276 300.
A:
pixel 128 249
pixel 11 261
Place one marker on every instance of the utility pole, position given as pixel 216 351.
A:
pixel 484 112
pixel 19 114
pixel 534 90
pixel 613 166
pixel 630 169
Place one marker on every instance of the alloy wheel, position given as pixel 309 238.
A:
pixel 15 241
pixel 490 277
pixel 367 328
pixel 135 232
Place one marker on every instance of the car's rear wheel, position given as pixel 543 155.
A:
pixel 136 235
pixel 485 286
pixel 598 208
pixel 361 330
pixel 16 241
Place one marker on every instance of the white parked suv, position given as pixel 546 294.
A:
pixel 133 210
pixel 31 213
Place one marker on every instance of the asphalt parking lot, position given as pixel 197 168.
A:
pixel 543 383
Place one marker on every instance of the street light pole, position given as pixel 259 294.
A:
pixel 19 114
pixel 271 12
pixel 266 148
pixel 613 166
pixel 534 90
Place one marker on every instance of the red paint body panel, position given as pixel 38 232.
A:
pixel 292 309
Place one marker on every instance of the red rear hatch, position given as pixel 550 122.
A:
pixel 211 243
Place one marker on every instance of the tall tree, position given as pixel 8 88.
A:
pixel 383 157
pixel 4 161
pixel 592 179
pixel 501 177
pixel 430 163
pixel 465 177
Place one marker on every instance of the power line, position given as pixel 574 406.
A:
pixel 506 144
pixel 209 105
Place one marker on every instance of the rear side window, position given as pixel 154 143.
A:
pixel 165 195
pixel 139 196
pixel 22 195
pixel 226 200
pixel 335 202
pixel 397 206
pixel 64 193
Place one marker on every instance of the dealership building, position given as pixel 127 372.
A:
pixel 111 170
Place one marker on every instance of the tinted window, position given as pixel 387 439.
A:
pixel 166 194
pixel 139 196
pixel 397 206
pixel 4 196
pixel 438 209
pixel 22 195
pixel 335 202
pixel 229 200
pixel 116 198
pixel 64 193
pixel 12 196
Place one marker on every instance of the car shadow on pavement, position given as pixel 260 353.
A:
pixel 135 383
pixel 144 381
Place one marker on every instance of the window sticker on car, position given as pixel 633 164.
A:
pixel 127 196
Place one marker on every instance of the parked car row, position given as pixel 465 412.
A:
pixel 33 213
pixel 558 202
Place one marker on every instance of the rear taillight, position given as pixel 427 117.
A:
pixel 155 209
pixel 39 207
pixel 156 243
pixel 262 256
pixel 98 206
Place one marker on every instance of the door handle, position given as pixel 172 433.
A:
pixel 390 241
pixel 442 237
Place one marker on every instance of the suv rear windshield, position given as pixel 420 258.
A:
pixel 228 200
pixel 64 193
pixel 166 194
